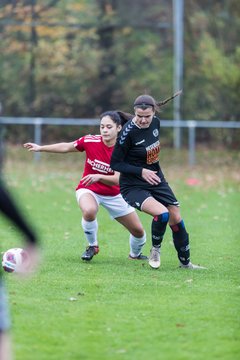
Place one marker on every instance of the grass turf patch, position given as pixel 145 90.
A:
pixel 115 308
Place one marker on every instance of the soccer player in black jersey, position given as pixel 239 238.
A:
pixel 11 211
pixel 142 183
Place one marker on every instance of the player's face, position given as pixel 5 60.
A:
pixel 143 118
pixel 109 130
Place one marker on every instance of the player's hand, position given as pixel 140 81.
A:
pixel 90 179
pixel 32 146
pixel 150 176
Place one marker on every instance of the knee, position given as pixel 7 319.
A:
pixel 162 218
pixel 174 216
pixel 89 214
pixel 175 219
pixel 138 232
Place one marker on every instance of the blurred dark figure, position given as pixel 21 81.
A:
pixel 9 208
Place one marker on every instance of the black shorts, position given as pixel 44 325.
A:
pixel 135 196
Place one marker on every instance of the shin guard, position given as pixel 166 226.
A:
pixel 159 225
pixel 181 242
pixel 136 244
pixel 90 229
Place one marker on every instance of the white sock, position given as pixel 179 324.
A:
pixel 90 229
pixel 136 244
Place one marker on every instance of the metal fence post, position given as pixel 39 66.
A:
pixel 191 142
pixel 37 136
pixel 178 22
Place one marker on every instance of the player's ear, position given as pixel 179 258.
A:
pixel 119 128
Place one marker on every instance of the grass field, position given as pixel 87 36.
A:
pixel 114 308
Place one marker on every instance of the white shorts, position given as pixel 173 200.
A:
pixel 115 205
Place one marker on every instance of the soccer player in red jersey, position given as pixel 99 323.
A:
pixel 99 185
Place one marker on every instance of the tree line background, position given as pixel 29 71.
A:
pixel 77 58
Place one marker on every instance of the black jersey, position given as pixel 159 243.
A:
pixel 137 148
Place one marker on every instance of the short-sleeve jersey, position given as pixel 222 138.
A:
pixel 137 148
pixel 98 157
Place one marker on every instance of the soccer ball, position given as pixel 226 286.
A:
pixel 15 260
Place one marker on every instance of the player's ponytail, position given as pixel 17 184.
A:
pixel 163 102
pixel 146 101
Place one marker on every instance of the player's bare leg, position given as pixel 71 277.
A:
pixel 89 208
pixel 5 346
pixel 137 235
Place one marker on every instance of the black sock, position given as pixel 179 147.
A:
pixel 181 242
pixel 159 225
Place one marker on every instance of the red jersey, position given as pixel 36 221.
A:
pixel 98 157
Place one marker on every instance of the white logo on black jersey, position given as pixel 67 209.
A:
pixel 125 132
pixel 140 142
pixel 155 132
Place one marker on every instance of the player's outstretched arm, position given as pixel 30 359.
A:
pixel 109 180
pixel 63 147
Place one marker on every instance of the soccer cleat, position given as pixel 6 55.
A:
pixel 139 257
pixel 192 266
pixel 90 252
pixel 154 258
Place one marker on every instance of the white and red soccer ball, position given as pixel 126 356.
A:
pixel 15 260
